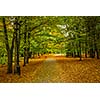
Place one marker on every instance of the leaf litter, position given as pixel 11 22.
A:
pixel 55 69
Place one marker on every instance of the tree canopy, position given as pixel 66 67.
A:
pixel 30 36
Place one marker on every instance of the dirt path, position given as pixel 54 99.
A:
pixel 55 69
pixel 49 72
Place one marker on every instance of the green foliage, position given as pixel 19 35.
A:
pixel 56 34
pixel 3 55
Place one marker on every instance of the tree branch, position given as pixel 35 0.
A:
pixel 37 26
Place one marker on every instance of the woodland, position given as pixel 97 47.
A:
pixel 44 49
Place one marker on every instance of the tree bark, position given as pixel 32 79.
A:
pixel 9 50
pixel 17 35
pixel 86 46
pixel 80 51
pixel 28 49
pixel 25 49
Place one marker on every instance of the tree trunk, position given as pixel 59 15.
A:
pixel 28 49
pixel 80 51
pixel 96 50
pixel 85 52
pixel 96 44
pixel 91 51
pixel 9 51
pixel 97 53
pixel 25 49
pixel 92 55
pixel 17 66
pixel 86 46
pixel 9 70
pixel 74 53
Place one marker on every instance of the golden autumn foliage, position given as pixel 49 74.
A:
pixel 55 69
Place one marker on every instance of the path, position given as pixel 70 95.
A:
pixel 62 70
pixel 49 72
pixel 55 69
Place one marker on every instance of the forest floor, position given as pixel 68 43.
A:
pixel 55 69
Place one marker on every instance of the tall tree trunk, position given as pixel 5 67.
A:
pixel 74 52
pixel 91 51
pixel 78 54
pixel 97 53
pixel 25 49
pixel 85 52
pixel 28 49
pixel 9 70
pixel 86 46
pixel 80 51
pixel 96 47
pixel 17 34
pixel 9 51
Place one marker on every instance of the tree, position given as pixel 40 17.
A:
pixel 8 48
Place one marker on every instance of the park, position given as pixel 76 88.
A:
pixel 49 49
